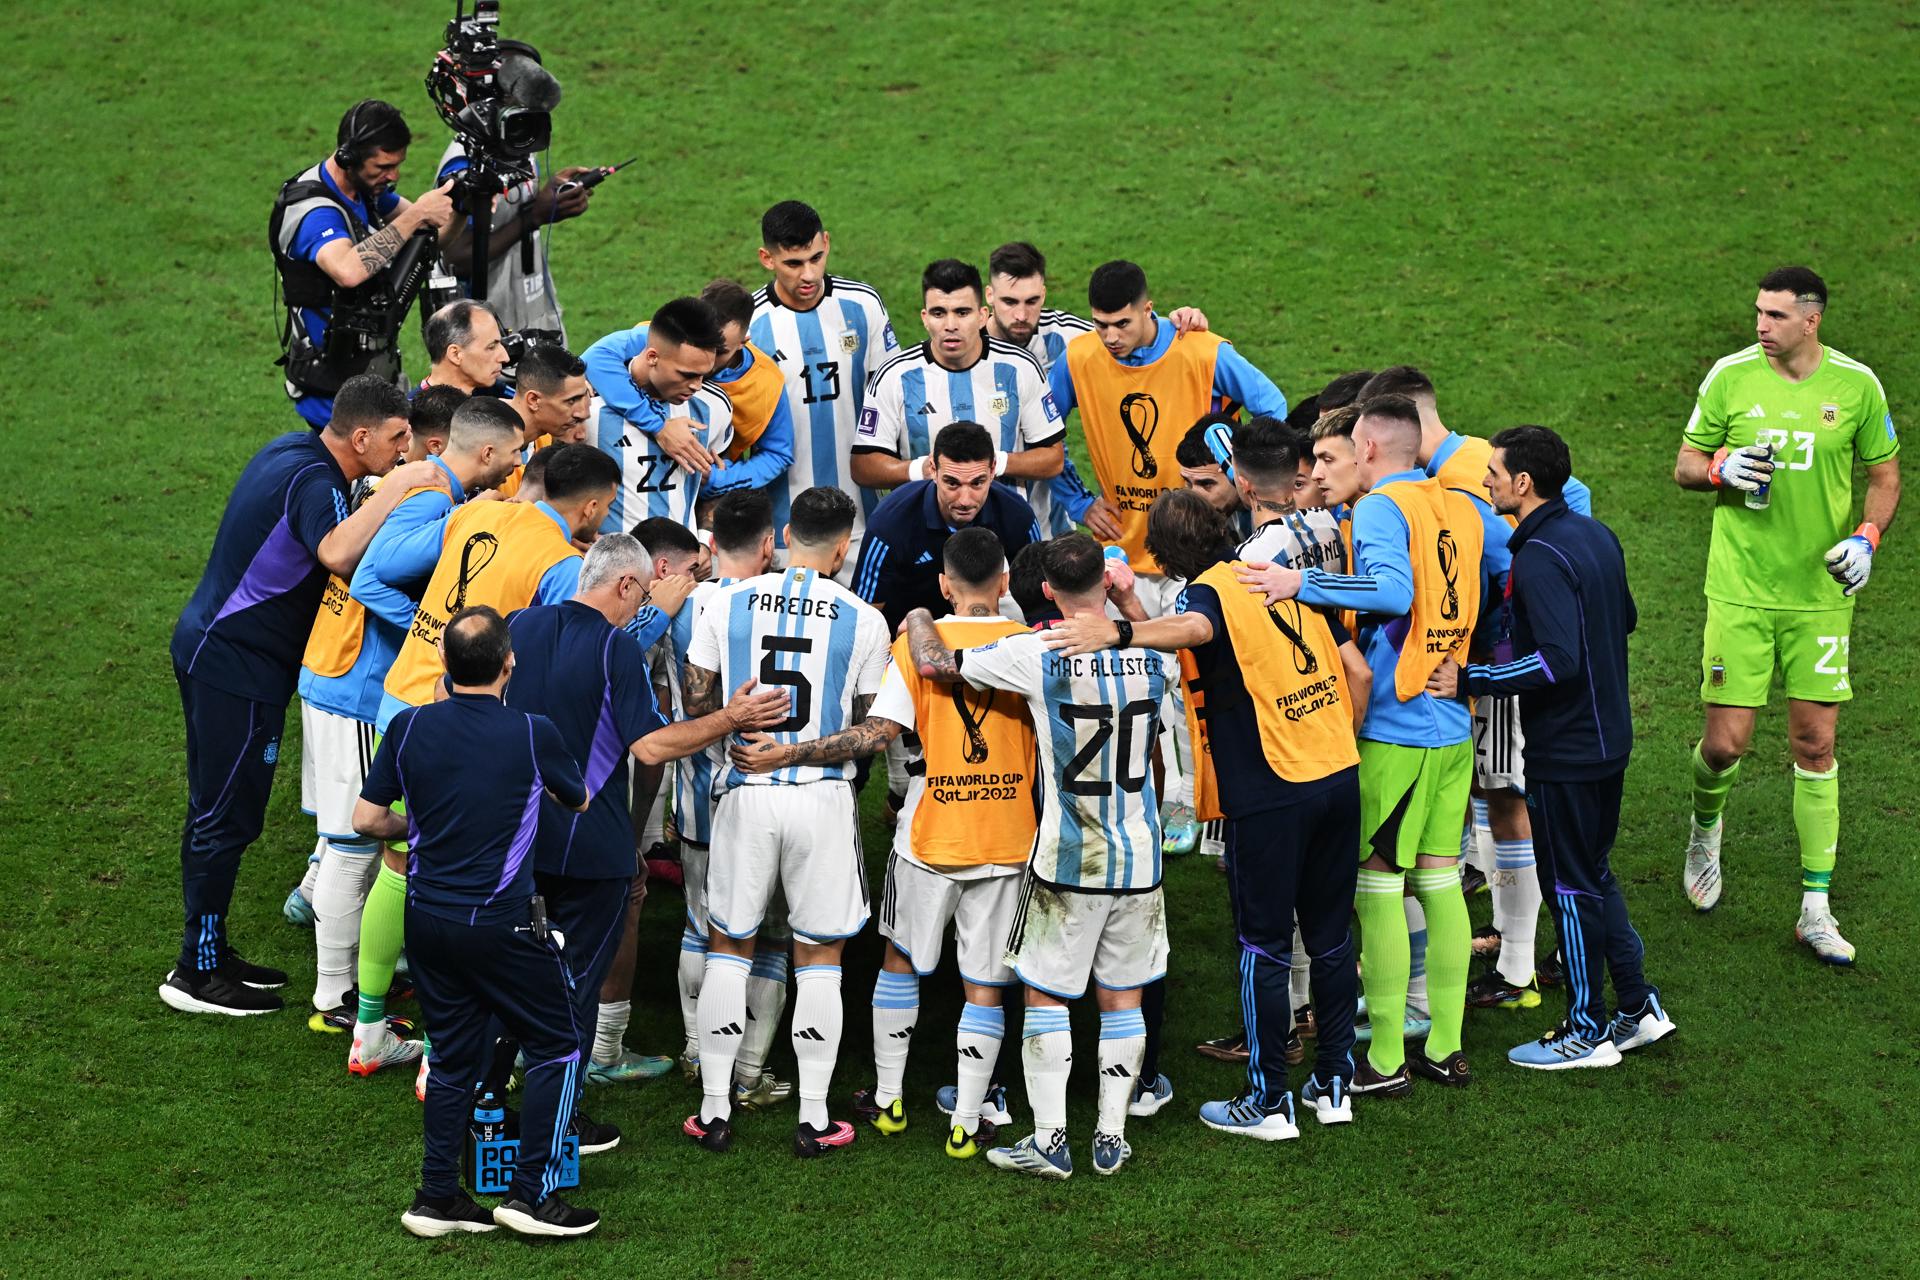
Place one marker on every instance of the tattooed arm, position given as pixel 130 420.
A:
pixel 351 264
pixel 930 653
pixel 755 753
pixel 700 693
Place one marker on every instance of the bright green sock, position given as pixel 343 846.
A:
pixel 1710 789
pixel 383 928
pixel 1816 820
pixel 1386 963
pixel 1449 948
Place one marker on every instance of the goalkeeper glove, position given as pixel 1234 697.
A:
pixel 1851 559
pixel 1747 469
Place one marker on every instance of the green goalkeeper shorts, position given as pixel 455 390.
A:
pixel 1744 645
pixel 1413 800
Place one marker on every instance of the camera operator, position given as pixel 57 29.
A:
pixel 519 282
pixel 334 231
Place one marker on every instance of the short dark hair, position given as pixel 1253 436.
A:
pixel 371 125
pixel 1807 288
pixel 1115 286
pixel 579 471
pixel 1018 259
pixel 1343 390
pixel 1540 453
pixel 687 322
pixel 1024 577
pixel 476 644
pixel 1337 423
pixel 484 416
pixel 1193 451
pixel 663 536
pixel 740 520
pixel 366 400
pixel 1185 534
pixel 1267 452
pixel 432 410
pixel 820 515
pixel 1399 380
pixel 1396 409
pixel 974 556
pixel 950 275
pixel 1304 413
pixel 452 326
pixel 535 472
pixel 962 442
pixel 730 301
pixel 1074 564
pixel 546 366
pixel 789 225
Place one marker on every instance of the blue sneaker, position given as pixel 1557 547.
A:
pixel 1025 1156
pixel 1149 1098
pixel 1110 1152
pixel 297 909
pixel 1630 1031
pixel 1415 1027
pixel 1180 830
pixel 993 1109
pixel 1331 1103
pixel 1244 1116
pixel 1562 1049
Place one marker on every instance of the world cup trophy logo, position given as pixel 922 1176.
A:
pixel 475 556
pixel 1289 625
pixel 1449 557
pixel 1140 415
pixel 975 750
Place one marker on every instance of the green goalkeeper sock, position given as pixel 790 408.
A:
pixel 1816 820
pixel 1449 948
pixel 1710 789
pixel 383 929
pixel 1386 962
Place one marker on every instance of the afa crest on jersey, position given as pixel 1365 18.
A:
pixel 1829 416
pixel 998 406
pixel 849 342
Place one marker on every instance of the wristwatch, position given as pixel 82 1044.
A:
pixel 1124 637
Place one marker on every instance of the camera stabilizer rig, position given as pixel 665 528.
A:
pixel 499 130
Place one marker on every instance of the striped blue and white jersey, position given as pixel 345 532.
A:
pixel 1303 540
pixel 826 355
pixel 693 775
pixel 1097 717
pixel 651 482
pixel 911 397
pixel 803 632
pixel 1066 496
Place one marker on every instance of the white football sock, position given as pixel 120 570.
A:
pixel 1814 901
pixel 1123 1043
pixel 816 1035
pixel 693 968
pixel 982 1027
pixel 310 882
pixel 1417 954
pixel 896 1007
pixel 766 1001
pixel 1515 883
pixel 655 829
pixel 1046 1053
pixel 339 892
pixel 1300 975
pixel 723 1020
pixel 610 1030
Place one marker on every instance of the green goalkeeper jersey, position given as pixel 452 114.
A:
pixel 1774 558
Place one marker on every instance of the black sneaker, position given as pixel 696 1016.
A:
pixel 810 1143
pixel 1295 1050
pixel 434 1218
pixel 551 1217
pixel 215 991
pixel 1305 1025
pixel 1552 971
pixel 1374 1085
pixel 254 975
pixel 594 1138
pixel 1231 1048
pixel 1451 1070
pixel 715 1135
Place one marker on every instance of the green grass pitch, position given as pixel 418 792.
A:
pixel 1559 210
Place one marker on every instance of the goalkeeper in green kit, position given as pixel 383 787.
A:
pixel 1774 436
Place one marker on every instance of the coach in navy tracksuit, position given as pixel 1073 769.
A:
pixel 474 773
pixel 236 654
pixel 1571 615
